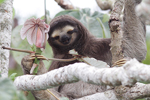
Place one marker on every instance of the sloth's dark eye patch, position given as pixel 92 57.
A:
pixel 70 32
pixel 55 38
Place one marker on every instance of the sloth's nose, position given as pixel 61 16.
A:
pixel 65 39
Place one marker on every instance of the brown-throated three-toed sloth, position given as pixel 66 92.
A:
pixel 68 33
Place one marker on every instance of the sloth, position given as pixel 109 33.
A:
pixel 68 33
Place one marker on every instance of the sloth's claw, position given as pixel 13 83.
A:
pixel 120 62
pixel 38 57
pixel 32 58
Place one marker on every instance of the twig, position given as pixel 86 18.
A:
pixel 55 59
pixel 19 50
pixel 45 11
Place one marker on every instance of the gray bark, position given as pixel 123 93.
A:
pixel 5 35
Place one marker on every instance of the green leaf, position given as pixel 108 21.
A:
pixel 36 61
pixel 38 50
pixel 66 12
pixel 97 14
pixel 12 76
pixel 75 14
pixel 105 18
pixel 33 47
pixel 103 28
pixel 1 1
pixel 147 60
pixel 8 91
pixel 94 27
pixel 86 11
pixel 13 12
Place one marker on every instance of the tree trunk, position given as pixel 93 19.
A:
pixel 5 34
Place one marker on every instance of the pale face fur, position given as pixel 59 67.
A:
pixel 64 36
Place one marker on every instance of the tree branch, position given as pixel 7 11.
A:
pixel 64 5
pixel 5 34
pixel 139 90
pixel 116 31
pixel 129 74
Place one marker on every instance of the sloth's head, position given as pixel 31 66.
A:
pixel 64 36
pixel 66 33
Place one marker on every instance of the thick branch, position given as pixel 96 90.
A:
pixel 138 91
pixel 107 95
pixel 116 31
pixel 127 75
pixel 64 5
pixel 5 34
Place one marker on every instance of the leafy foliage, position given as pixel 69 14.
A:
pixel 147 60
pixel 8 91
pixel 12 76
pixel 13 13
pixel 96 23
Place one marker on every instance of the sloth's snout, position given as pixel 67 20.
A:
pixel 65 39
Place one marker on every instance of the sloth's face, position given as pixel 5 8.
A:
pixel 64 36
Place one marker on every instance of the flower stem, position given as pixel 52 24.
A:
pixel 19 50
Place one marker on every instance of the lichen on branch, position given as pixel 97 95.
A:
pixel 126 75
